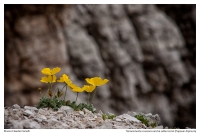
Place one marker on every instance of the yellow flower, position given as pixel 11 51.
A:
pixel 75 88
pixel 49 79
pixel 89 88
pixel 61 79
pixel 66 79
pixel 96 81
pixel 48 71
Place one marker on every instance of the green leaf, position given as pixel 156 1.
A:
pixel 142 119
pixel 104 116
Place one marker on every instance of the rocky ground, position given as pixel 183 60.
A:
pixel 27 117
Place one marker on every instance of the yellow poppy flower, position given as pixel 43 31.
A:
pixel 48 71
pixel 66 79
pixel 49 79
pixel 61 79
pixel 96 81
pixel 75 88
pixel 89 88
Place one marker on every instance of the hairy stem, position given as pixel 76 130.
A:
pixel 76 96
pixel 88 98
pixel 65 92
pixel 93 95
pixel 63 87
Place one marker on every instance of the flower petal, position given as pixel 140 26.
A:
pixel 75 88
pixel 44 79
pixel 96 81
pixel 90 81
pixel 49 79
pixel 54 78
pixel 55 70
pixel 61 79
pixel 89 88
pixel 67 80
pixel 46 71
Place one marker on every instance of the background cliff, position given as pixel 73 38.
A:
pixel 148 52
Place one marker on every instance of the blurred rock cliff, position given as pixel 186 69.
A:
pixel 148 52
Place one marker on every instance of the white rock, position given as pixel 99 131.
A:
pixel 98 119
pixel 60 126
pixel 31 108
pixel 106 125
pixel 92 119
pixel 91 125
pixel 42 117
pixel 53 121
pixel 100 112
pixel 16 106
pixel 37 119
pixel 87 111
pixel 59 116
pixel 99 115
pixel 80 125
pixel 65 125
pixel 28 113
pixel 67 109
pixel 45 121
pixel 30 124
pixel 158 127
pixel 26 118
pixel 75 113
pixel 52 113
pixel 117 127
pixel 149 114
pixel 42 112
pixel 81 112
pixel 15 117
pixel 15 111
pixel 5 112
pixel 128 117
pixel 70 120
pixel 16 124
pixel 117 119
pixel 60 112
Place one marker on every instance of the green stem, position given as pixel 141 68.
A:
pixel 48 92
pixel 48 86
pixel 55 90
pixel 51 90
pixel 63 87
pixel 76 96
pixel 88 98
pixel 65 92
pixel 93 95
pixel 51 86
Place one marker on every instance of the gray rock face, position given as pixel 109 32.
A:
pixel 146 51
